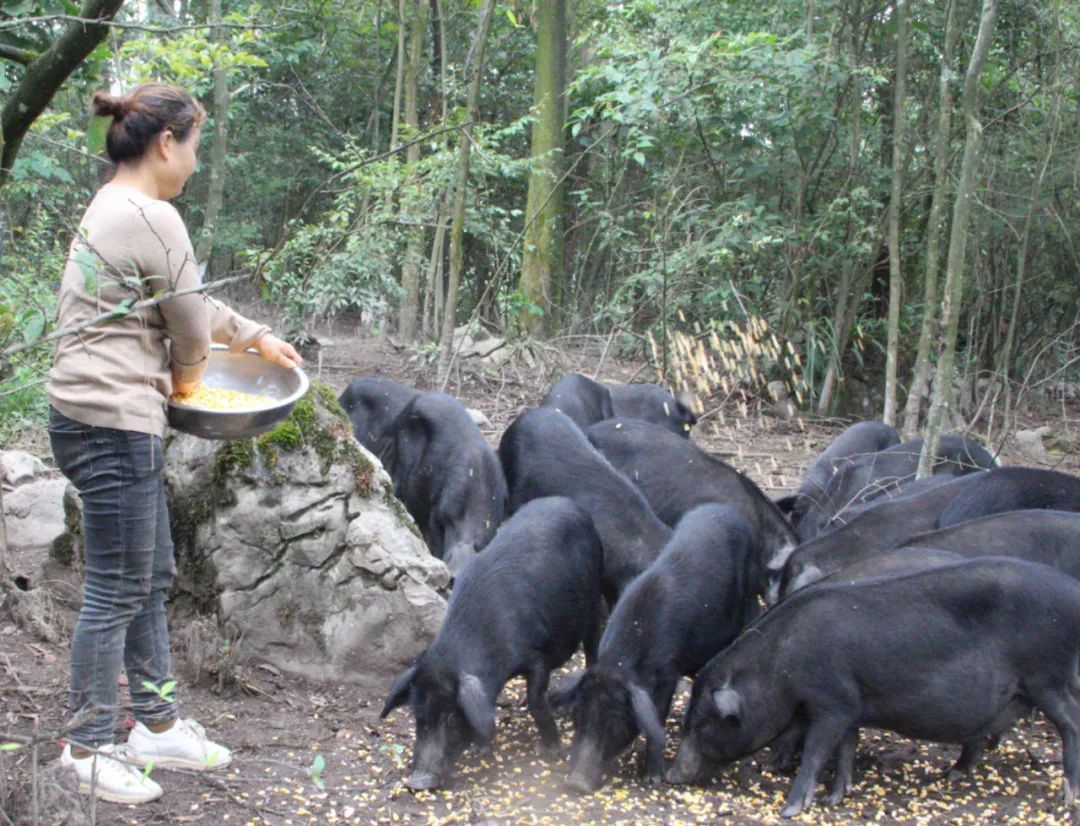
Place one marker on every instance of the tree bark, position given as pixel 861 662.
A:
pixel 45 75
pixel 920 380
pixel 474 64
pixel 847 295
pixel 399 76
pixel 218 148
pixel 411 266
pixel 954 271
pixel 541 260
pixel 1025 234
pixel 896 272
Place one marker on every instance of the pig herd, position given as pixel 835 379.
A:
pixel 942 609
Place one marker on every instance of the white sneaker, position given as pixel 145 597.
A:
pixel 115 777
pixel 185 745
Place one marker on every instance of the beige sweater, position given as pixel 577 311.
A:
pixel 118 373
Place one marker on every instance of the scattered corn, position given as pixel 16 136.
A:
pixel 216 398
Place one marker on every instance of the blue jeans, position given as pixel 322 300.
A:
pixel 129 568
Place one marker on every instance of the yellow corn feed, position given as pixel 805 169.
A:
pixel 215 398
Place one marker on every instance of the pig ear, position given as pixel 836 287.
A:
pixel 728 702
pixel 564 695
pixel 787 503
pixel 478 711
pixel 646 717
pixel 399 691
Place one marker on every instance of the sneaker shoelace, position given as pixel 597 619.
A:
pixel 193 729
pixel 123 755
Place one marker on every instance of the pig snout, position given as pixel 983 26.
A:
pixel 586 769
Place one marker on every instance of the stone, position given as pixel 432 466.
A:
pixel 479 419
pixel 20 467
pixel 1029 443
pixel 296 543
pixel 34 512
pixel 782 404
pixel 482 348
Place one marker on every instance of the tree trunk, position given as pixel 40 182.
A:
pixel 846 302
pixel 541 260
pixel 920 380
pixel 399 77
pixel 1025 234
pixel 47 73
pixel 411 266
pixel 474 64
pixel 217 148
pixel 896 272
pixel 954 271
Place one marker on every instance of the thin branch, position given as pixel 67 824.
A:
pixel 34 136
pixel 71 329
pixel 17 55
pixel 74 18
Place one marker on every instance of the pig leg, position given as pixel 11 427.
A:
pixel 822 738
pixel 786 749
pixel 539 708
pixel 845 765
pixel 970 754
pixel 593 629
pixel 1063 710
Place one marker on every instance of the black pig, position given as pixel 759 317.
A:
pixel 544 453
pixel 686 606
pixel 447 476
pixel 969 647
pixel 520 609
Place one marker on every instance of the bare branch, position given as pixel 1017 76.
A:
pixel 17 55
pixel 72 329
pixel 140 27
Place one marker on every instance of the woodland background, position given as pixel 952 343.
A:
pixel 829 193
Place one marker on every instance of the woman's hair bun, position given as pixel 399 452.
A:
pixel 107 105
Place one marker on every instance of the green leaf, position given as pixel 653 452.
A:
pixel 10 746
pixel 96 132
pixel 640 158
pixel 512 18
pixel 315 770
pixel 90 266
pixel 34 327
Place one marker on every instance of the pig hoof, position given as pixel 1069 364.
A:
pixel 654 778
pixel 1068 793
pixel 580 785
pixel 423 782
pixel 791 810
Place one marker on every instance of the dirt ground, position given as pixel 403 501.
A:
pixel 279 727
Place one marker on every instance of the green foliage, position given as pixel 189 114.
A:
pixel 188 57
pixel 718 153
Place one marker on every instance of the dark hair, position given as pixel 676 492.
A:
pixel 141 116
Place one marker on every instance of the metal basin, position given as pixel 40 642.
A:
pixel 247 372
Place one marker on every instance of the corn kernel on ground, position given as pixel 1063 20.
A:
pixel 216 398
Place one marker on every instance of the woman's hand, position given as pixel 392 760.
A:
pixel 280 352
pixel 183 388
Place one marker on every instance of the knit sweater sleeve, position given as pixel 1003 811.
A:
pixel 168 263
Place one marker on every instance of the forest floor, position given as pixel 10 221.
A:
pixel 276 725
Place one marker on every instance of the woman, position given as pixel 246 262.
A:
pixel 107 389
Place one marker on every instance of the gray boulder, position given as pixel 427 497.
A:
pixel 34 513
pixel 295 541
pixel 20 466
